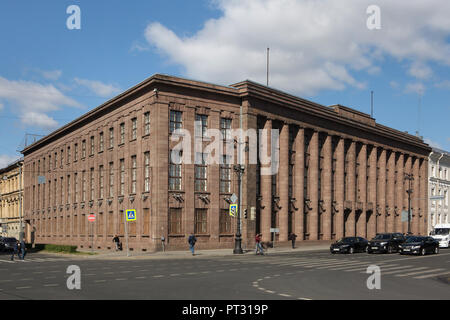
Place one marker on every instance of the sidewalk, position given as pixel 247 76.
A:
pixel 199 253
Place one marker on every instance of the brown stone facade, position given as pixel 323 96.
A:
pixel 339 172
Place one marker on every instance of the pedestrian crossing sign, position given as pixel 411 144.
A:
pixel 233 209
pixel 131 215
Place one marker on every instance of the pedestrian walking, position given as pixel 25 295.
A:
pixel 116 241
pixel 259 249
pixel 292 237
pixel 15 250
pixel 192 240
pixel 23 250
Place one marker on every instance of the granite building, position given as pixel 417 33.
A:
pixel 339 172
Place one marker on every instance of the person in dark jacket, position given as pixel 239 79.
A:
pixel 116 241
pixel 292 237
pixel 22 251
pixel 15 250
pixel 192 240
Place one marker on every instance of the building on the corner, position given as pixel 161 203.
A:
pixel 439 185
pixel 339 172
pixel 11 190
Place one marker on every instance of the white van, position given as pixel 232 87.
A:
pixel 441 232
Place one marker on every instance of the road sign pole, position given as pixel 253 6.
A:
pixel 126 234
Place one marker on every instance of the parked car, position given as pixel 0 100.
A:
pixel 8 244
pixel 419 245
pixel 349 245
pixel 385 242
pixel 441 233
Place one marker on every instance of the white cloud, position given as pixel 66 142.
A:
pixel 417 88
pixel 32 100
pixel 314 45
pixel 433 144
pixel 99 88
pixel 52 75
pixel 394 84
pixel 443 84
pixel 420 71
pixel 1 106
pixel 6 159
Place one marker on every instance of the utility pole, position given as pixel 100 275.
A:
pixel 239 169
pixel 21 235
pixel 409 177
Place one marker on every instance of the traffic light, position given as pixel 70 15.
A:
pixel 245 213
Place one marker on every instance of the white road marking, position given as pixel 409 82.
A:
pixel 433 275
pixel 403 270
pixel 419 272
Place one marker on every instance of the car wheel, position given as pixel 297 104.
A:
pixel 423 252
pixel 436 250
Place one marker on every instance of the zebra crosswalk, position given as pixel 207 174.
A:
pixel 7 260
pixel 390 267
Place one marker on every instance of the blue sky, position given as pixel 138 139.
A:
pixel 49 75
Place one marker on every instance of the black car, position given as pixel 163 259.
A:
pixel 349 245
pixel 385 242
pixel 419 245
pixel 8 244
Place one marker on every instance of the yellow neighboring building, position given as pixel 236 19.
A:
pixel 11 189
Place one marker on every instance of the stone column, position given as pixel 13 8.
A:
pixel 372 194
pixel 351 174
pixel 266 188
pixel 313 185
pixel 326 187
pixel 339 188
pixel 299 171
pixel 362 176
pixel 381 194
pixel 283 180
pixel 407 169
pixel 415 197
pixel 424 196
pixel 390 192
pixel 399 193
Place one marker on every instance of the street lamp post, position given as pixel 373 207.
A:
pixel 239 169
pixel 409 177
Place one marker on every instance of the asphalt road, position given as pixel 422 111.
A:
pixel 278 276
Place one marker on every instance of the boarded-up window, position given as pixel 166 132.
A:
pixel 175 221
pixel 146 222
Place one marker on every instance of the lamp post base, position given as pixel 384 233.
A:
pixel 237 246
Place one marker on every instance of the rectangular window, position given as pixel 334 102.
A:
pixel 201 221
pixel 101 142
pixel 201 173
pixel 75 156
pixel 62 158
pixel 92 146
pixel 225 176
pixel 133 174
pixel 146 123
pixel 110 223
pixel 121 223
pixel 56 161
pixel 83 149
pixel 68 155
pixel 69 199
pixel 122 177
pixel 175 226
pixel 62 191
pixel 133 128
pixel 201 125
pixel 176 121
pixel 83 186
pixel 111 179
pixel 122 133
pixel 147 172
pixel 75 179
pixel 174 177
pixel 111 137
pixel 101 182
pixel 92 184
pixel 225 128
pixel 100 224
pixel 225 222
